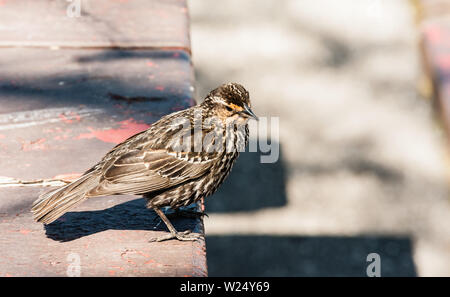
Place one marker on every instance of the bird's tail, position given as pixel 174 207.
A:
pixel 55 203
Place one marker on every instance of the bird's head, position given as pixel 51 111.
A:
pixel 230 101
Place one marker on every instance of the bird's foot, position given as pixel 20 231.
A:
pixel 182 236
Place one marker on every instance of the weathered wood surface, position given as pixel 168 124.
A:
pixel 77 88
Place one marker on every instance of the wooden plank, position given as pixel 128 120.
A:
pixel 435 46
pixel 70 90
pixel 106 236
pixel 60 112
pixel 102 23
pixel 68 108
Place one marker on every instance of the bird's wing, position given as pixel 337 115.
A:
pixel 143 171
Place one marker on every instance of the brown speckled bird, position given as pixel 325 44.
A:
pixel 180 159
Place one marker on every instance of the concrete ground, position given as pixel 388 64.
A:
pixel 363 166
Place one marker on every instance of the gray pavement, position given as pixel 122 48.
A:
pixel 363 166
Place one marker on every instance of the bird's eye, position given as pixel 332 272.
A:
pixel 229 108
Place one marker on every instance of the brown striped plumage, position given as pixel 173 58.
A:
pixel 181 158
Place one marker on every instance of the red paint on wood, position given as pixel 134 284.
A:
pixel 127 128
pixel 434 34
pixel 34 145
pixel 444 62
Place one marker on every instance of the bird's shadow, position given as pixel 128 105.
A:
pixel 130 215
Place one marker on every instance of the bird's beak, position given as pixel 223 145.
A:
pixel 249 112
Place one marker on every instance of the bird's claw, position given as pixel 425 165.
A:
pixel 182 236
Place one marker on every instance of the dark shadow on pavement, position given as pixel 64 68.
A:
pixel 252 185
pixel 307 256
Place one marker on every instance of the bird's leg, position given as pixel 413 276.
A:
pixel 185 213
pixel 183 236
